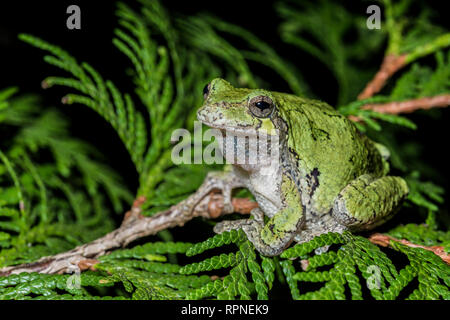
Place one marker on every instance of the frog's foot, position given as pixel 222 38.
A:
pixel 269 246
pixel 228 225
pixel 258 215
pixel 368 202
pixel 224 181
pixel 253 228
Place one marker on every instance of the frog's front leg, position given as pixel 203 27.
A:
pixel 227 225
pixel 272 238
pixel 367 202
pixel 224 181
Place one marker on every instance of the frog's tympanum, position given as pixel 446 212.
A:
pixel 329 178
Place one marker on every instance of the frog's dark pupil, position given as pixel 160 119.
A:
pixel 206 90
pixel 262 105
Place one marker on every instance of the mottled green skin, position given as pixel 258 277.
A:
pixel 330 177
pixel 326 142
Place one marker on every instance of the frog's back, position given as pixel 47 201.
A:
pixel 327 148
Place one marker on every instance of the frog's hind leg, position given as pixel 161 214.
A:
pixel 273 237
pixel 367 202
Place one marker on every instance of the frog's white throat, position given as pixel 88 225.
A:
pixel 251 152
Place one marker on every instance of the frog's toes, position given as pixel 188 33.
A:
pixel 227 205
pixel 224 181
pixel 253 232
pixel 229 225
pixel 258 215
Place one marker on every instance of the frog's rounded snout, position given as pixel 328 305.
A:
pixel 206 115
pixel 202 113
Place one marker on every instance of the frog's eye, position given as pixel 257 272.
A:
pixel 261 106
pixel 206 90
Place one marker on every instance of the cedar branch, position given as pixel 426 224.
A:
pixel 133 227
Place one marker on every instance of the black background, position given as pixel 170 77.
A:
pixel 22 65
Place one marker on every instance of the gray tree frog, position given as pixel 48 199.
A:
pixel 330 177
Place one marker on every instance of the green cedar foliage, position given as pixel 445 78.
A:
pixel 51 206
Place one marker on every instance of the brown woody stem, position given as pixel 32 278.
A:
pixel 408 106
pixel 391 64
pixel 133 227
pixel 385 240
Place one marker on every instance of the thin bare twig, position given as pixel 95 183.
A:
pixel 133 227
pixel 385 240
pixel 390 65
pixel 408 106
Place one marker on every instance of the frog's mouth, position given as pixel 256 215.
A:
pixel 247 146
pixel 231 131
pixel 214 121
